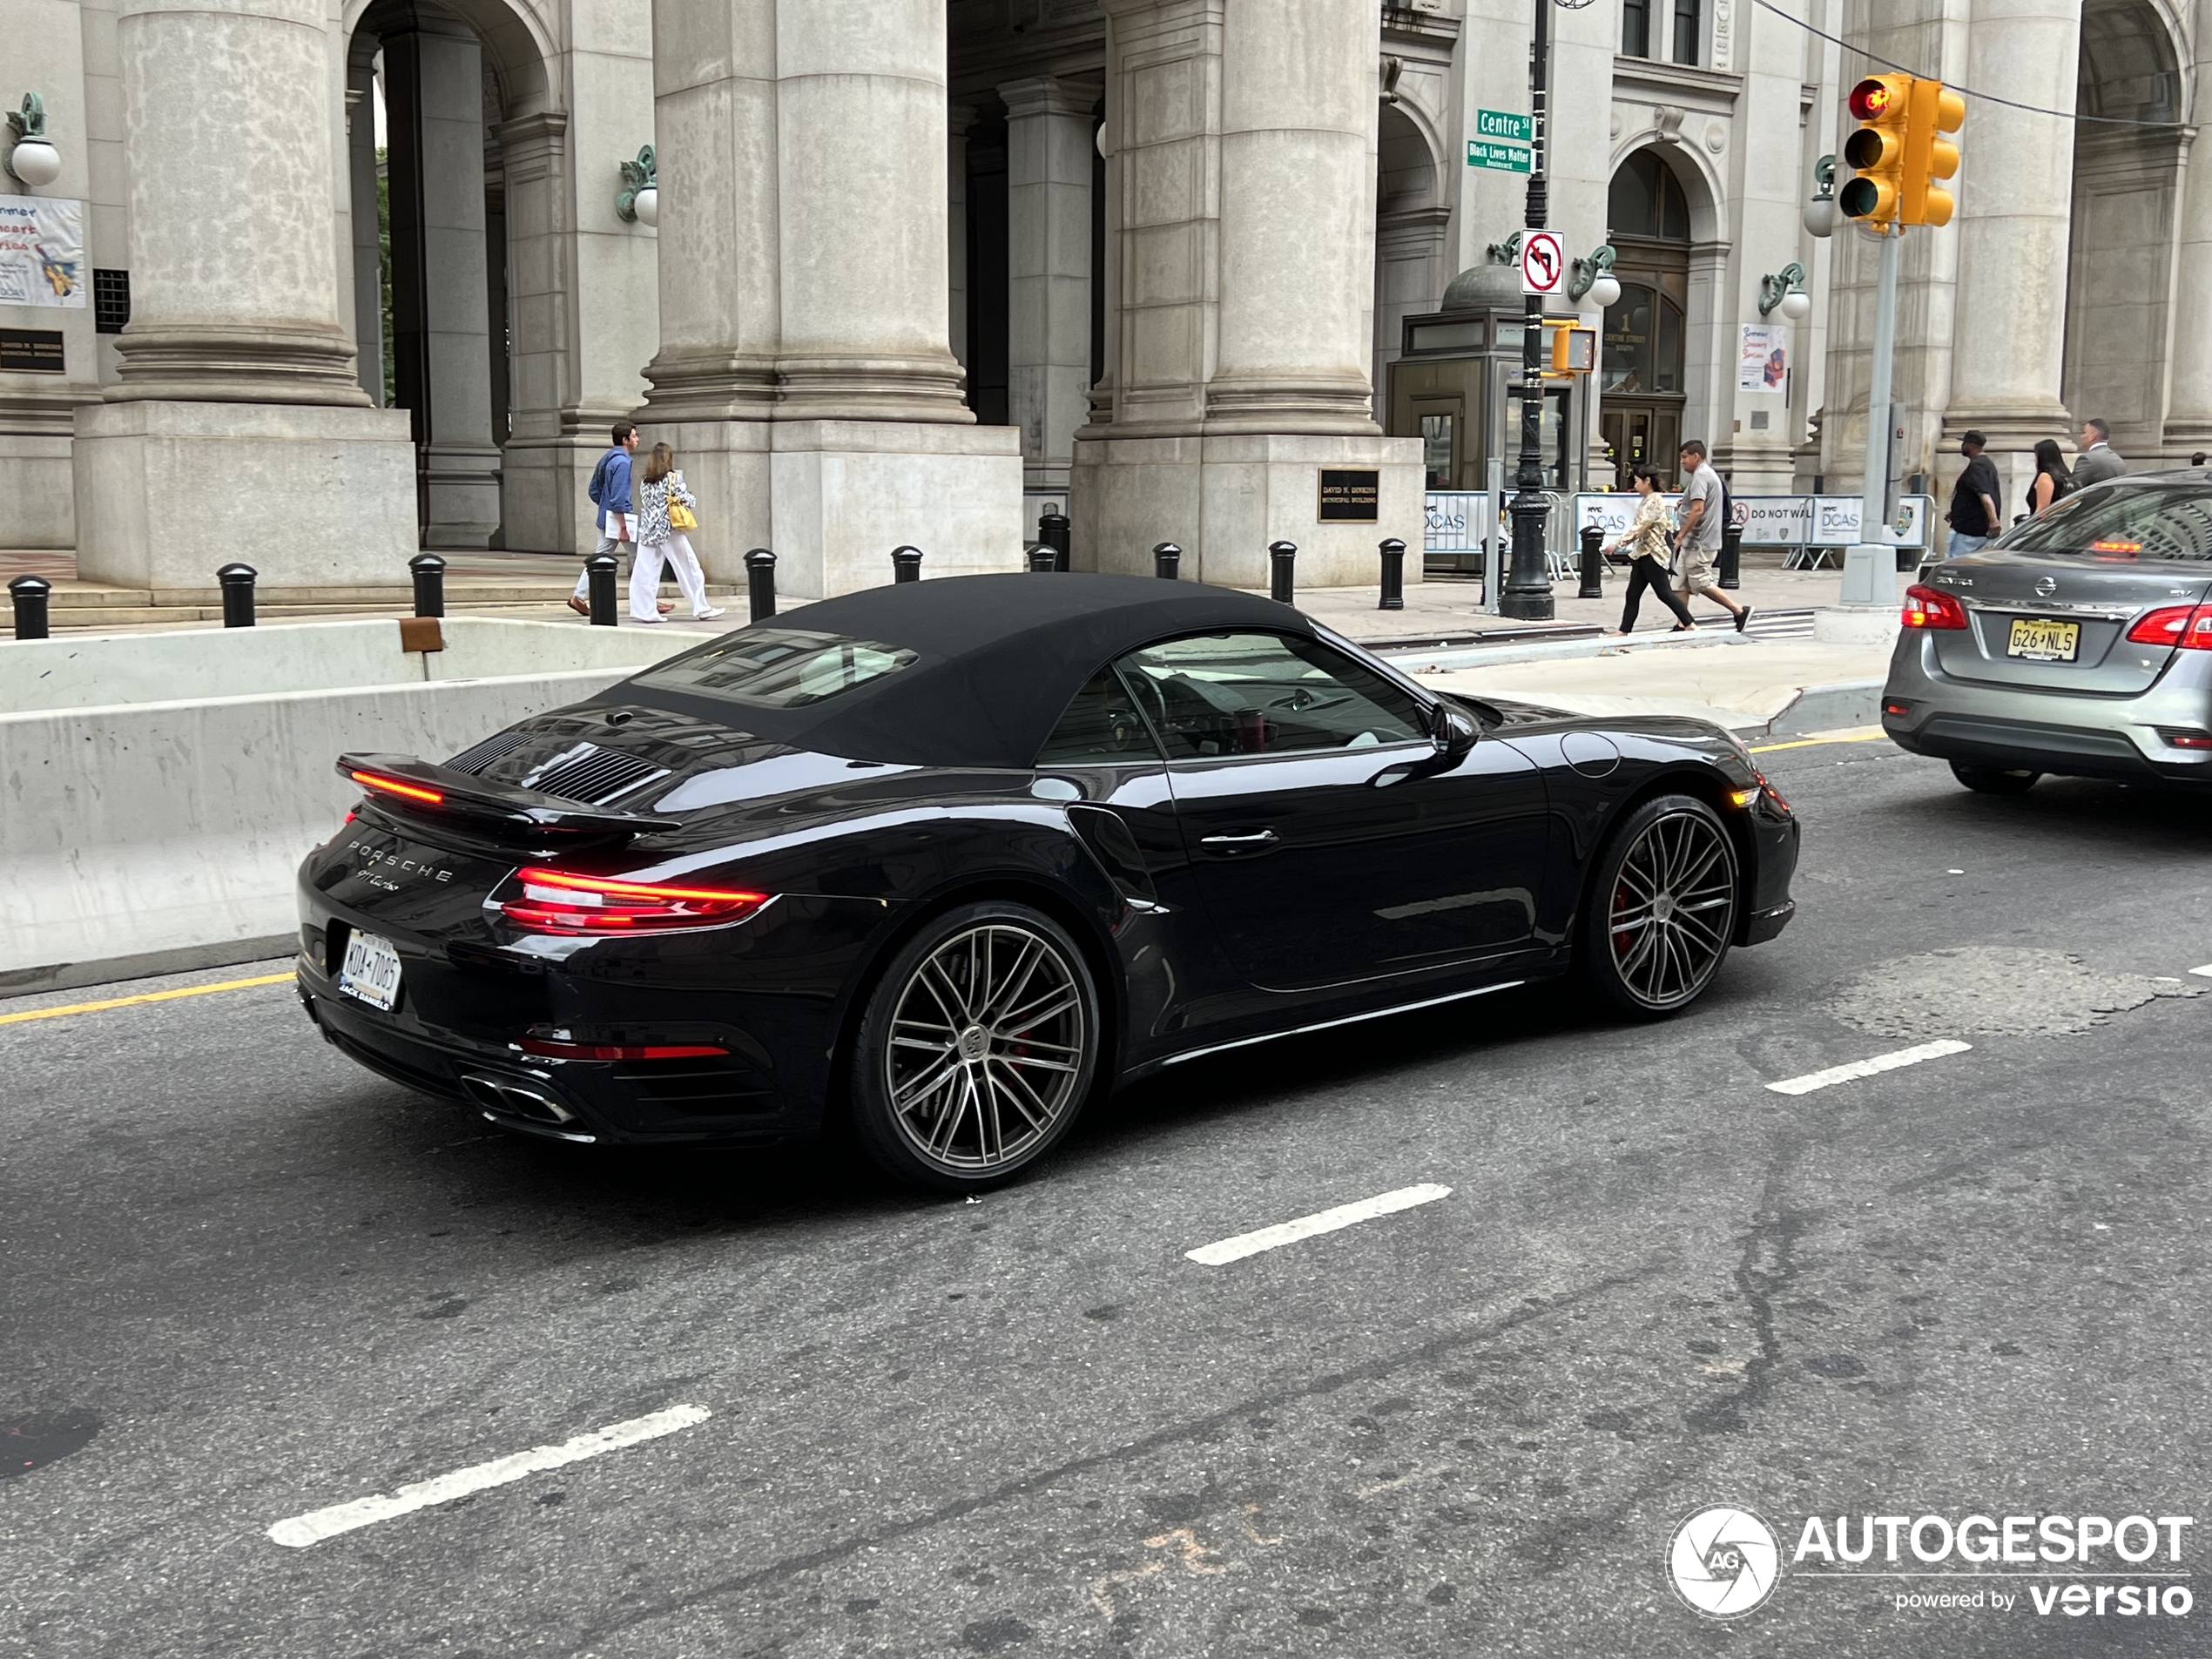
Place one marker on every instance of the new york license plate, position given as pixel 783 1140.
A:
pixel 2039 640
pixel 371 970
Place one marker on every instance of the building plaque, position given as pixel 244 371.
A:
pixel 31 351
pixel 1350 495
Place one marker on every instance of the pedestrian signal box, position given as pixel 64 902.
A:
pixel 1929 156
pixel 1882 106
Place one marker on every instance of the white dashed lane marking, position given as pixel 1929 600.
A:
pixel 1879 1064
pixel 312 1529
pixel 1225 1250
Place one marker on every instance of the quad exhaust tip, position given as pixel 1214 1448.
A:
pixel 506 1102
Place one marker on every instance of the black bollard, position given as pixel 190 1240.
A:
pixel 1043 557
pixel 1166 560
pixel 906 564
pixel 1280 556
pixel 1053 530
pixel 30 594
pixel 429 584
pixel 1593 563
pixel 1731 564
pixel 1393 576
pixel 761 584
pixel 599 574
pixel 238 595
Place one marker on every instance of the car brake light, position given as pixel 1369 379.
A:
pixel 2186 737
pixel 559 901
pixel 394 787
pixel 2189 627
pixel 1925 608
pixel 561 1049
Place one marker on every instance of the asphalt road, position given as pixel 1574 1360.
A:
pixel 246 1281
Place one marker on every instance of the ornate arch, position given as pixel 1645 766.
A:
pixel 518 47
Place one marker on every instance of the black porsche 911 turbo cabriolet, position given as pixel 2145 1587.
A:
pixel 950 858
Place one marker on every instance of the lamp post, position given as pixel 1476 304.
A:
pixel 1593 276
pixel 28 154
pixel 638 200
pixel 1784 292
pixel 1820 211
pixel 1526 591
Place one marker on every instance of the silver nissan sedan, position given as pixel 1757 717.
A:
pixel 2079 642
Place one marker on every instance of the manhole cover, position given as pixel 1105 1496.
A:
pixel 1992 990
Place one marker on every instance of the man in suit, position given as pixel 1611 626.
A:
pixel 2096 462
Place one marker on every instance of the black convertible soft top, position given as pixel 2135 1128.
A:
pixel 998 660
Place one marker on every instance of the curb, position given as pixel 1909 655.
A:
pixel 1829 708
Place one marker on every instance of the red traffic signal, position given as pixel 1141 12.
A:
pixel 1874 99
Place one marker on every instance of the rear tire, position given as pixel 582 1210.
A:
pixel 977 1048
pixel 1663 906
pixel 1993 780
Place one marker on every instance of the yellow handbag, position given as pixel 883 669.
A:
pixel 680 517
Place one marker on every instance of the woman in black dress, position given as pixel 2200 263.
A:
pixel 2052 479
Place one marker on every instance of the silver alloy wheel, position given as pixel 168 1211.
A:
pixel 987 1044
pixel 1674 907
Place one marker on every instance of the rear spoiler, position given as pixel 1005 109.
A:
pixel 427 790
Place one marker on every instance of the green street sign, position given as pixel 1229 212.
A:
pixel 1496 123
pixel 1500 157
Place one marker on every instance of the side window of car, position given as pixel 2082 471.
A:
pixel 1227 694
pixel 1100 728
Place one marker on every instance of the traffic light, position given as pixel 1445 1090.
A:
pixel 1929 156
pixel 1882 106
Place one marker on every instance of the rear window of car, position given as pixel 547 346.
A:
pixel 2124 523
pixel 777 668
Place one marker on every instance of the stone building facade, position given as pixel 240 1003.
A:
pixel 923 269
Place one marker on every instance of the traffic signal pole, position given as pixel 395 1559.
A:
pixel 1870 567
pixel 1527 586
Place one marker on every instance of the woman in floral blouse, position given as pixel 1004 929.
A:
pixel 1646 538
pixel 660 484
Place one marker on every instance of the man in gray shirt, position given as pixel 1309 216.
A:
pixel 2096 462
pixel 1698 542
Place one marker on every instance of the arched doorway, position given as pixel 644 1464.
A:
pixel 448 125
pixel 1410 223
pixel 2126 183
pixel 1642 383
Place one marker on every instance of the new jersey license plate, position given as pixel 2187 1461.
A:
pixel 371 970
pixel 2041 639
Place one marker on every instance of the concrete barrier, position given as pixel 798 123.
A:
pixel 88 669
pixel 156 837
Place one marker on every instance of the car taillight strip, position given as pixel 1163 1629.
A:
pixel 563 901
pixel 1926 608
pixel 393 786
pixel 2188 627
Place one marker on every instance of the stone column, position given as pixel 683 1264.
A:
pixel 237 426
pixel 368 259
pixel 2188 418
pixel 959 118
pixel 2008 358
pixel 1243 274
pixel 1048 150
pixel 806 362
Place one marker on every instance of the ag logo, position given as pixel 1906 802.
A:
pixel 1725 1561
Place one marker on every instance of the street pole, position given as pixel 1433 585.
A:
pixel 1528 592
pixel 1870 567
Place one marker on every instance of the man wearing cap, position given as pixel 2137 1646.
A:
pixel 1974 517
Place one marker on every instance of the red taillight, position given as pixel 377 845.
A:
pixel 560 901
pixel 382 784
pixel 1926 608
pixel 552 1048
pixel 2188 627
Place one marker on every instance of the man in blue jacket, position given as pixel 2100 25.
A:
pixel 610 493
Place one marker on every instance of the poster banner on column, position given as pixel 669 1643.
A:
pixel 1763 358
pixel 42 251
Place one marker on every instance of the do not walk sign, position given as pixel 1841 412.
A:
pixel 1543 263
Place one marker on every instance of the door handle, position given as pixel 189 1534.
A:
pixel 1255 838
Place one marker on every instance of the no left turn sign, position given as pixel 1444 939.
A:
pixel 1543 263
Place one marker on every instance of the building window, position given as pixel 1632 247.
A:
pixel 110 301
pixel 1686 41
pixel 1646 199
pixel 1636 28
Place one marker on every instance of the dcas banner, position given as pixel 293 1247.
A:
pixel 42 252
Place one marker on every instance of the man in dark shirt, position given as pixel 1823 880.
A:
pixel 1974 517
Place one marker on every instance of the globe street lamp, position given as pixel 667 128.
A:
pixel 1784 292
pixel 30 156
pixel 638 200
pixel 1593 276
pixel 1820 211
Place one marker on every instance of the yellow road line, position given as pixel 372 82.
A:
pixel 1866 735
pixel 144 996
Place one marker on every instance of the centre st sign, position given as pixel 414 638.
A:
pixel 1501 141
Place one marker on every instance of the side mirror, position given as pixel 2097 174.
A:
pixel 1455 732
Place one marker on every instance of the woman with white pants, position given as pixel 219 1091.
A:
pixel 660 486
